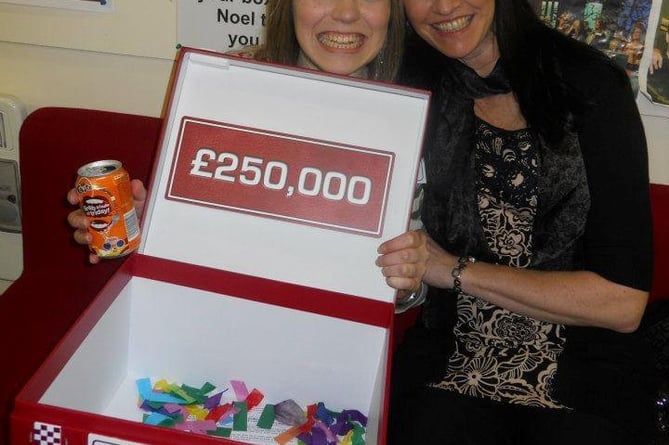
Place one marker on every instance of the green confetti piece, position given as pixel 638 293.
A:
pixel 239 420
pixel 157 419
pixel 155 405
pixel 266 420
pixel 358 435
pixel 207 388
pixel 220 432
pixel 190 389
pixel 195 393
pixel 178 418
pixel 169 422
pixel 175 390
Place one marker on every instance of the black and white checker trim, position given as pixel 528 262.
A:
pixel 46 434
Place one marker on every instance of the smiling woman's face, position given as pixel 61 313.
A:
pixel 341 36
pixel 460 29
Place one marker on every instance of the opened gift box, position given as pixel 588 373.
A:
pixel 270 194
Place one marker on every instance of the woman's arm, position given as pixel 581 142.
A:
pixel 581 298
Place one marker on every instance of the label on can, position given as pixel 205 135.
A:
pixel 106 199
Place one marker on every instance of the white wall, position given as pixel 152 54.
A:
pixel 657 133
pixel 121 61
pixel 118 60
pixel 44 76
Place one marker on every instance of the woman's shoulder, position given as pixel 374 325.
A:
pixel 587 68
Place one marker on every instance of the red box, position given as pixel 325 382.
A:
pixel 272 190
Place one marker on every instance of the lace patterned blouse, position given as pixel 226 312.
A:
pixel 501 355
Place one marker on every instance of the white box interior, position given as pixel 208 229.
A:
pixel 306 104
pixel 160 330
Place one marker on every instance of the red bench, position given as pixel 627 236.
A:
pixel 659 195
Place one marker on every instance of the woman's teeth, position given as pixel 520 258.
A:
pixel 340 41
pixel 453 25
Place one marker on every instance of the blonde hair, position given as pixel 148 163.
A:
pixel 280 44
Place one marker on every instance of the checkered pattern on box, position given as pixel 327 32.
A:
pixel 46 434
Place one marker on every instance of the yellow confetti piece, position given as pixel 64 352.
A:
pixel 196 412
pixel 161 385
pixel 347 439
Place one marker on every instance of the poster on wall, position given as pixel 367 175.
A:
pixel 220 25
pixel 616 27
pixel 655 80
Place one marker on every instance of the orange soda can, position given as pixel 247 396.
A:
pixel 106 199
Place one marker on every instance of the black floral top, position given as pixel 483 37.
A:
pixel 501 355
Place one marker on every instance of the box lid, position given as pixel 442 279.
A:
pixel 283 173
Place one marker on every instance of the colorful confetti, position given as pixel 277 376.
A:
pixel 204 411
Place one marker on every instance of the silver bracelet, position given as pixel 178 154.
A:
pixel 456 273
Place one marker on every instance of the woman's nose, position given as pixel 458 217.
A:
pixel 445 7
pixel 346 10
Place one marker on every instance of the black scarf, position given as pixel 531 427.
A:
pixel 450 193
pixel 450 209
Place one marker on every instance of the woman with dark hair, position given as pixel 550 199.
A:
pixel 536 211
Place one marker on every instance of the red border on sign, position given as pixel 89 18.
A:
pixel 281 176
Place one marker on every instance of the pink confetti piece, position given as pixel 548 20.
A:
pixel 197 426
pixel 173 408
pixel 239 387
